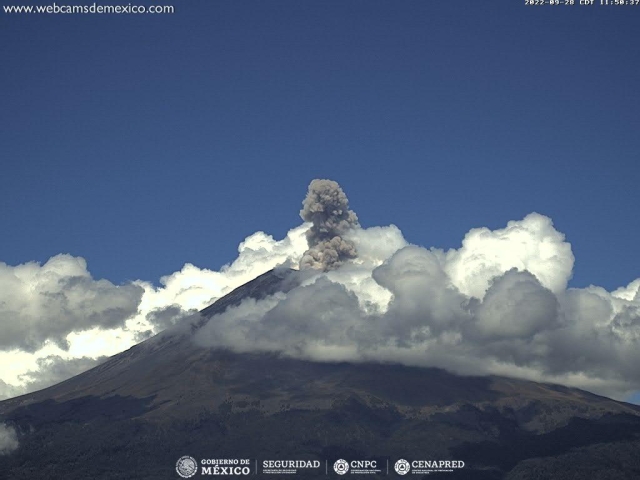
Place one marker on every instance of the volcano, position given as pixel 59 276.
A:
pixel 135 415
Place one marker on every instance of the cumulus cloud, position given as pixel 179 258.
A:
pixel 47 302
pixel 530 244
pixel 326 207
pixel 516 305
pixel 8 439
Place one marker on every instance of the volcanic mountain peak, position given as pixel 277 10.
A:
pixel 277 280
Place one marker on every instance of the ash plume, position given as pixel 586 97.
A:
pixel 326 206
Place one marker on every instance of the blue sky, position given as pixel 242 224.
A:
pixel 144 142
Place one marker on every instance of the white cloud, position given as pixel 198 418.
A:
pixel 195 288
pixel 530 244
pixel 630 292
pixel 516 306
pixel 40 303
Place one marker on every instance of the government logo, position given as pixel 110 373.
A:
pixel 402 467
pixel 186 466
pixel 341 466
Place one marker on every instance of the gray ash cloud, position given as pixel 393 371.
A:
pixel 327 208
